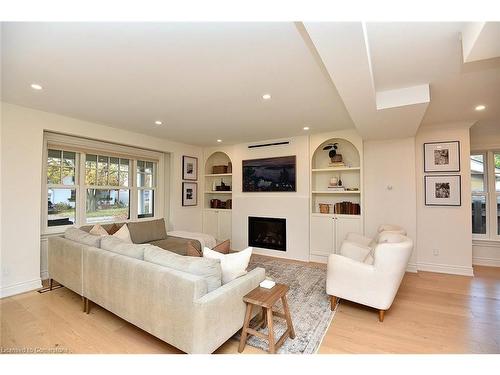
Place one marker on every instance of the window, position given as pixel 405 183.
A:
pixel 496 161
pixel 479 192
pixel 485 187
pixel 61 187
pixel 145 188
pixel 107 189
pixel 87 188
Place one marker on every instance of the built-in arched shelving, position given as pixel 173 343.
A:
pixel 217 197
pixel 343 203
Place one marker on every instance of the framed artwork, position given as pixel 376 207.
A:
pixel 189 193
pixel 189 168
pixel 442 156
pixel 443 190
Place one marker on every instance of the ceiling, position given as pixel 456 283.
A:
pixel 205 81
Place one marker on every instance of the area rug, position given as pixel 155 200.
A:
pixel 308 302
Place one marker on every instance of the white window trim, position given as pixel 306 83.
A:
pixel 85 146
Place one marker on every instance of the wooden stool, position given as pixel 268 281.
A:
pixel 266 298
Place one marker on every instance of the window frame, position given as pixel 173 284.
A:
pixel 154 183
pixel 104 187
pixel 83 147
pixel 491 195
pixel 46 186
pixel 483 193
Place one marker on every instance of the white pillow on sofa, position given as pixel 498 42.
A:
pixel 98 230
pixel 123 234
pixel 233 265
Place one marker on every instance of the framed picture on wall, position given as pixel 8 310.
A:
pixel 189 193
pixel 442 156
pixel 443 190
pixel 189 168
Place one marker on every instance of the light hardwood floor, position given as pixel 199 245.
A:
pixel 432 313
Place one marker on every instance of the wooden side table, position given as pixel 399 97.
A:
pixel 266 298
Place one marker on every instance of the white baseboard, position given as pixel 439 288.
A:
pixel 481 261
pixel 445 268
pixel 412 267
pixel 26 286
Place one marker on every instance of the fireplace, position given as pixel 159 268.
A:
pixel 267 233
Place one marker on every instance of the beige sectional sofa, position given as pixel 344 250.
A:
pixel 153 232
pixel 175 298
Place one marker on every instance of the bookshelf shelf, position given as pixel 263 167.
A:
pixel 219 175
pixel 336 192
pixel 337 169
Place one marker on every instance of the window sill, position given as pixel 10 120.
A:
pixel 488 242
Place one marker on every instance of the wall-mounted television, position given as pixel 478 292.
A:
pixel 269 174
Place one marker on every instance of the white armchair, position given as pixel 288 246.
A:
pixel 364 241
pixel 376 284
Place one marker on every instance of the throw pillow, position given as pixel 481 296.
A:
pixel 113 229
pixel 192 251
pixel 223 248
pixel 233 265
pixel 123 234
pixel 98 230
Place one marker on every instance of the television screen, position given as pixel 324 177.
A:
pixel 270 174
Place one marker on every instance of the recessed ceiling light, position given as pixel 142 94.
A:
pixel 480 107
pixel 158 122
pixel 219 140
pixel 266 96
pixel 306 128
pixel 36 86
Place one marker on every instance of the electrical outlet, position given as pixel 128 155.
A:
pixel 435 252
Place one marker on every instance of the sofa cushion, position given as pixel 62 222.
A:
pixel 82 237
pixel 115 245
pixel 177 245
pixel 147 231
pixel 209 269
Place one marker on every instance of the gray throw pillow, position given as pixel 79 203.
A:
pixel 118 246
pixel 147 231
pixel 77 235
pixel 209 269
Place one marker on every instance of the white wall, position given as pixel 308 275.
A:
pixel 294 206
pixel 21 167
pixel 389 187
pixel 445 229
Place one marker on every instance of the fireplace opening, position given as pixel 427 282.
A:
pixel 267 233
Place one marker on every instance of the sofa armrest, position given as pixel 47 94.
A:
pixel 65 262
pixel 347 277
pixel 220 313
pixel 354 251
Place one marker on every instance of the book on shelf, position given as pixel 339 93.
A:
pixel 340 164
pixel 347 208
pixel 336 188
